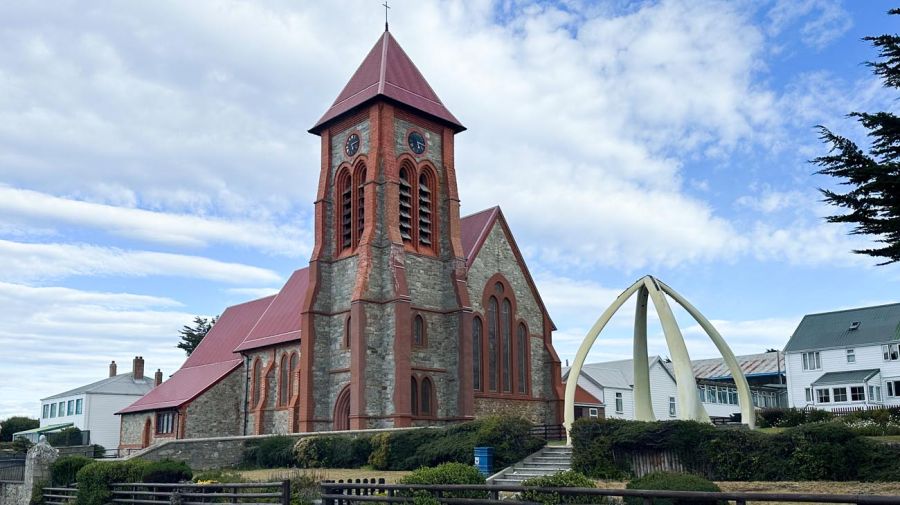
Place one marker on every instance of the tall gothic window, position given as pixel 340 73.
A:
pixel 284 386
pixel 359 183
pixel 492 343
pixel 425 206
pixel 419 331
pixel 406 212
pixel 426 396
pixel 255 396
pixel 295 365
pixel 347 334
pixel 414 396
pixel 521 358
pixel 476 354
pixel 345 220
pixel 507 350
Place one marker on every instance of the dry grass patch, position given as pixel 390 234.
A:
pixel 270 474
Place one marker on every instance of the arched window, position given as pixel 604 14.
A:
pixel 346 342
pixel 345 209
pixel 414 396
pixel 476 354
pixel 426 187
pixel 492 343
pixel 359 184
pixel 284 388
pixel 406 205
pixel 522 358
pixel 426 396
pixel 255 396
pixel 507 351
pixel 418 331
pixel 295 365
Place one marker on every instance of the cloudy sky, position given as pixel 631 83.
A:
pixel 155 165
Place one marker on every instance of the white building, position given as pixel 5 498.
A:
pixel 92 407
pixel 845 359
pixel 612 384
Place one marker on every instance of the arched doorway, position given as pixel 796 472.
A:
pixel 145 436
pixel 342 410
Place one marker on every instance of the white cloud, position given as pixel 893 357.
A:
pixel 157 227
pixel 823 21
pixel 24 262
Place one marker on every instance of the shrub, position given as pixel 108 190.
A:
pixel 827 451
pixel 218 475
pixel 64 469
pixel 332 452
pixel 95 478
pixel 65 437
pixel 99 451
pixel 665 481
pixel 37 493
pixel 447 473
pixel 769 418
pixel 561 479
pixel 271 452
pixel 166 471
pixel 509 436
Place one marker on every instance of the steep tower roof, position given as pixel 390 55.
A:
pixel 388 72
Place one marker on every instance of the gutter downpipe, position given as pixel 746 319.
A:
pixel 246 391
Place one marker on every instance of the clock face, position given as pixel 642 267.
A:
pixel 416 142
pixel 352 145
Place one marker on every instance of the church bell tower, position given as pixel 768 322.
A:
pixel 386 315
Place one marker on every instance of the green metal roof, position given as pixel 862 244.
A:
pixel 44 429
pixel 833 329
pixel 848 377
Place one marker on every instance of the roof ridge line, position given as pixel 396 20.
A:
pixel 853 309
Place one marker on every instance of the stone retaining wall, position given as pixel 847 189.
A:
pixel 225 452
pixel 11 493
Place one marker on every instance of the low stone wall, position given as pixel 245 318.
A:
pixel 12 493
pixel 225 452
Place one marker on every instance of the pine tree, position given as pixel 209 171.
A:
pixel 873 200
pixel 191 336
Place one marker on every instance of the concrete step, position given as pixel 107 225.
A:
pixel 552 457
pixel 546 469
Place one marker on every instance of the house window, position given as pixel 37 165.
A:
pixel 893 388
pixel 592 412
pixel 732 396
pixel 851 356
pixel 425 205
pixel 671 406
pixel 521 356
pixel 165 422
pixel 710 394
pixel 492 343
pixel 701 393
pixel 507 351
pixel 62 409
pixel 70 408
pixel 809 395
pixel 890 352
pixel 857 394
pixel 414 396
pixel 476 354
pixel 822 396
pixel 255 396
pixel 53 410
pixel 723 395
pixel 46 411
pixel 78 406
pixel 619 403
pixel 427 393
pixel 811 361
pixel 840 394
pixel 419 331
pixel 875 393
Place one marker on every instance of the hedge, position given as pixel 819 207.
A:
pixel 818 451
pixel 561 479
pixel 446 474
pixel 667 481
pixel 332 452
pixel 271 452
pixel 64 469
pixel 94 480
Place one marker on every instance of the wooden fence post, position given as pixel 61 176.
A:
pixel 285 492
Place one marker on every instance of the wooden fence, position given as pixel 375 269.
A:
pixel 131 493
pixel 643 462
pixel 352 494
pixel 549 431
pixel 59 495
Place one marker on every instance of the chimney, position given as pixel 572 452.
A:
pixel 138 368
pixel 157 379
pixel 112 369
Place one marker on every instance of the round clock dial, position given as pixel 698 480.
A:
pixel 352 145
pixel 416 142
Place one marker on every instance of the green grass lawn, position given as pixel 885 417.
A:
pixel 770 431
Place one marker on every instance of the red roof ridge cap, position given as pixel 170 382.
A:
pixel 481 211
pixel 207 364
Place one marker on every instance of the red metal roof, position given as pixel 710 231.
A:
pixel 474 229
pixel 213 359
pixel 387 71
pixel 281 321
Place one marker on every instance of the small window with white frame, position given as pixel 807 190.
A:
pixel 812 360
pixel 620 406
pixel 823 395
pixel 46 411
pixel 840 394
pixel 857 394
pixel 893 388
pixel 851 355
pixel 592 412
pixel 890 352
pixel 809 397
pixel 671 406
pixel 53 409
pixel 78 406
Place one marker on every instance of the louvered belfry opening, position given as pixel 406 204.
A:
pixel 345 193
pixel 406 211
pixel 359 183
pixel 425 199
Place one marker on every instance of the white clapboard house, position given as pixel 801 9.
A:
pixel 845 359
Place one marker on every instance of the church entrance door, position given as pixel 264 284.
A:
pixel 145 436
pixel 342 410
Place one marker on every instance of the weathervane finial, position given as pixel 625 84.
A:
pixel 386 7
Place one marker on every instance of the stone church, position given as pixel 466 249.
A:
pixel 407 314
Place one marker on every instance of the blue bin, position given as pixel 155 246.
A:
pixel 484 460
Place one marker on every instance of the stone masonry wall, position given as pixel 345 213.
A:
pixel 12 493
pixel 218 411
pixel 132 428
pixel 538 412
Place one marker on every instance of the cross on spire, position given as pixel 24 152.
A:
pixel 386 7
